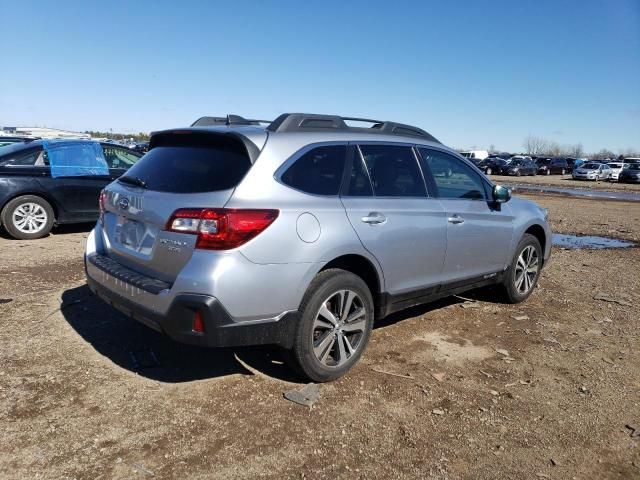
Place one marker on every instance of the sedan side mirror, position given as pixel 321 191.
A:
pixel 501 194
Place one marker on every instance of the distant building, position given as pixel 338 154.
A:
pixel 42 132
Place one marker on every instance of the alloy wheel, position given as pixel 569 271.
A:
pixel 526 270
pixel 29 218
pixel 339 327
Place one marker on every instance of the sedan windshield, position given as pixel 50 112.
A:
pixel 615 165
pixel 591 166
pixel 633 166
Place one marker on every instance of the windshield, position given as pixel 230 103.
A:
pixel 517 161
pixel 615 165
pixel 591 166
pixel 543 161
pixel 633 166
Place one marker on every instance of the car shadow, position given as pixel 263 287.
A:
pixel 73 228
pixel 150 354
pixel 139 349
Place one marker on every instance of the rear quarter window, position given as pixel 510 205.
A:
pixel 318 171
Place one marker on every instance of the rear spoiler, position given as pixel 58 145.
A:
pixel 205 136
pixel 229 120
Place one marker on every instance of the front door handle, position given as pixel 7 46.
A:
pixel 374 218
pixel 456 219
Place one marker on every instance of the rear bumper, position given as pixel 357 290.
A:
pixel 220 329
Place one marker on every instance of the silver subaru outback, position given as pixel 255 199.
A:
pixel 302 232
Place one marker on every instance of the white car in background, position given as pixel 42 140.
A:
pixel 592 171
pixel 475 155
pixel 616 168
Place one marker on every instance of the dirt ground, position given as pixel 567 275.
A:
pixel 565 181
pixel 458 389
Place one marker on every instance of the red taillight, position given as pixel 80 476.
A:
pixel 102 204
pixel 198 323
pixel 221 228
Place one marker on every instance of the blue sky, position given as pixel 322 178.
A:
pixel 473 73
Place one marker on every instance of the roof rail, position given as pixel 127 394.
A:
pixel 309 122
pixel 229 120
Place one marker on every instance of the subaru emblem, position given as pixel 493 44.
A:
pixel 123 203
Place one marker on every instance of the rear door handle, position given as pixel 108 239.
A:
pixel 456 219
pixel 374 218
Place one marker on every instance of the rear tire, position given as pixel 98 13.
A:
pixel 335 325
pixel 27 217
pixel 522 275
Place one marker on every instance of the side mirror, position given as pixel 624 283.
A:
pixel 501 194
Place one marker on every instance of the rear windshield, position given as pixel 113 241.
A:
pixel 193 164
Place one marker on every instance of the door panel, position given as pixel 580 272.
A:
pixel 409 241
pixel 478 232
pixel 78 196
pixel 478 238
pixel 404 229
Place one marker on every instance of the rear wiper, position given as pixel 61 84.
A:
pixel 133 181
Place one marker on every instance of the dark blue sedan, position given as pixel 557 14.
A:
pixel 48 182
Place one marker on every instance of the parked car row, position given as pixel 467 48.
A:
pixel 508 164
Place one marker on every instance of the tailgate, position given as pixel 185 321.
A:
pixel 183 169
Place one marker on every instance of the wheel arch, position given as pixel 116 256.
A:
pixel 538 232
pixel 360 266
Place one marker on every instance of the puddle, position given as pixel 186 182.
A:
pixel 578 192
pixel 588 241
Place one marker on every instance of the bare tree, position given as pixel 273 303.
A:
pixel 575 151
pixel 534 145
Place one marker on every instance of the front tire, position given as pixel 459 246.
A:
pixel 27 217
pixel 522 276
pixel 336 321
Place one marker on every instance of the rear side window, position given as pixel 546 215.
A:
pixel 183 163
pixel 393 170
pixel 117 157
pixel 319 171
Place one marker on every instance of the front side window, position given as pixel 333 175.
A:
pixel 452 177
pixel 318 171
pixel 393 170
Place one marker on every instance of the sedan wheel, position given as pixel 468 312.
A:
pixel 29 218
